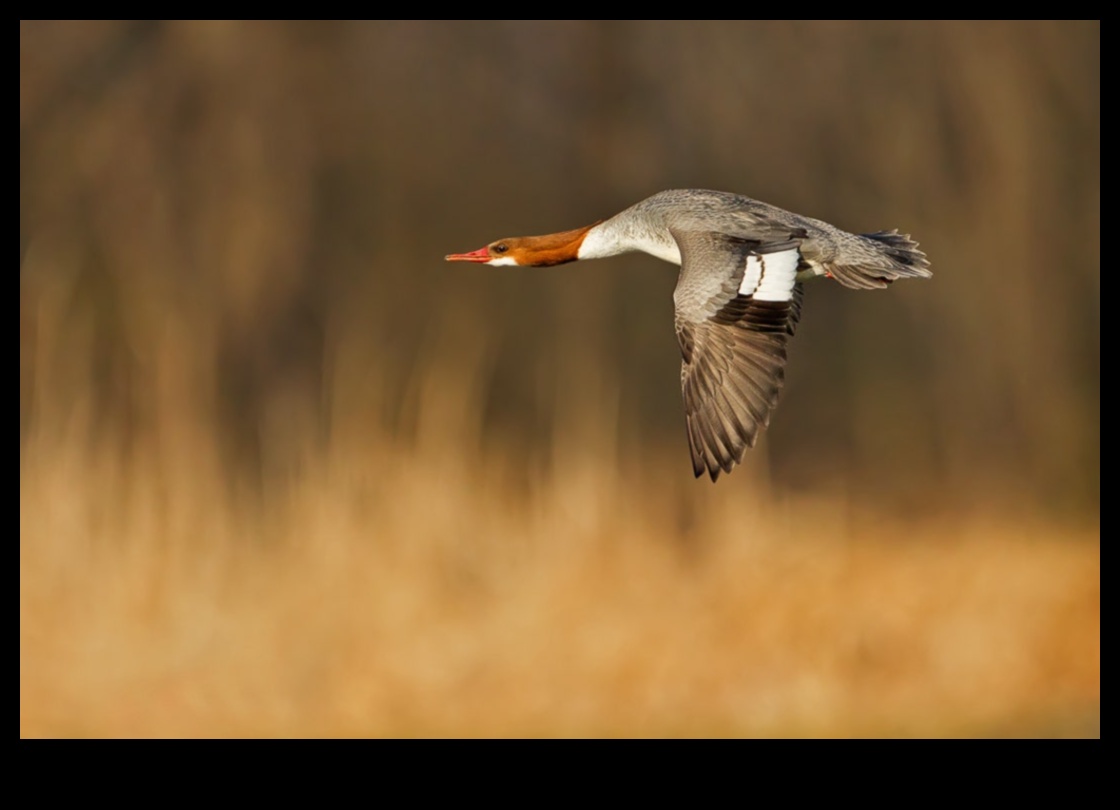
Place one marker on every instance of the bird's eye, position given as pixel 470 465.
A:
pixel 500 248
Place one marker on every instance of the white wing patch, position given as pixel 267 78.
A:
pixel 778 272
pixel 751 275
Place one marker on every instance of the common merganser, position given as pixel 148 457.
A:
pixel 738 297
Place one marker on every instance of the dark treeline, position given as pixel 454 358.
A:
pixel 240 226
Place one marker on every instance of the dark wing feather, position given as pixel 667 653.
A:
pixel 733 348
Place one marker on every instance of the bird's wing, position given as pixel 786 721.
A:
pixel 737 304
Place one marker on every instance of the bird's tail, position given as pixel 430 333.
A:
pixel 891 255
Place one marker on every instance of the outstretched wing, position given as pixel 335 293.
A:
pixel 737 304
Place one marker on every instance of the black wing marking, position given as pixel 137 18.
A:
pixel 733 348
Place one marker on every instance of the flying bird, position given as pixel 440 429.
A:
pixel 738 297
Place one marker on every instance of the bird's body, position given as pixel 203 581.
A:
pixel 738 297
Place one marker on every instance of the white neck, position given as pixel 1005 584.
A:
pixel 622 234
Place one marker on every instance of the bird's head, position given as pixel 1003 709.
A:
pixel 528 251
pixel 504 252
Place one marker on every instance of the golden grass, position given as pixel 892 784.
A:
pixel 414 599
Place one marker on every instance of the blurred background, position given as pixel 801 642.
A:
pixel 283 471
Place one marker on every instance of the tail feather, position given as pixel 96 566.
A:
pixel 892 255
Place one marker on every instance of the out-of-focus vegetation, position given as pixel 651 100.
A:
pixel 283 471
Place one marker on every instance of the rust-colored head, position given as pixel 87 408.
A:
pixel 528 251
